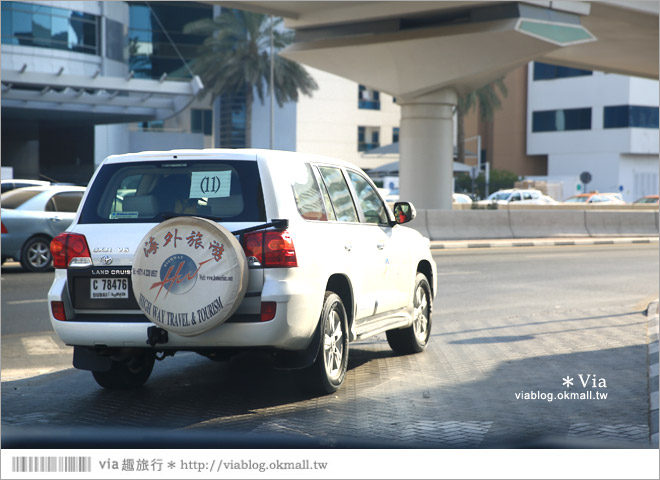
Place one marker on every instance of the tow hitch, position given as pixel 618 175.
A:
pixel 156 335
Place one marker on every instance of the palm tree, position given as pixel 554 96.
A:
pixel 235 59
pixel 487 100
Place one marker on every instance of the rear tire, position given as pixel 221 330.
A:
pixel 414 338
pixel 328 371
pixel 131 373
pixel 35 256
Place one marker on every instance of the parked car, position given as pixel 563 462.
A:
pixel 392 196
pixel 13 183
pixel 596 197
pixel 647 199
pixel 220 251
pixel 31 218
pixel 521 196
pixel 461 198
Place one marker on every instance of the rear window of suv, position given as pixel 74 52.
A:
pixel 136 192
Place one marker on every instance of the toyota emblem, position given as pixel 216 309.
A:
pixel 107 260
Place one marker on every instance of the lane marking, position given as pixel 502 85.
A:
pixel 22 302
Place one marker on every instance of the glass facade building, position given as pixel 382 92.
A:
pixel 43 26
pixel 151 54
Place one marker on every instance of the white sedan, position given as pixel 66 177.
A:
pixel 520 196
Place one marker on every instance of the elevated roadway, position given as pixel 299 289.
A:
pixel 427 53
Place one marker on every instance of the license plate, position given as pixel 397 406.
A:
pixel 104 288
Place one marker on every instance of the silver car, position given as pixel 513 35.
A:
pixel 31 218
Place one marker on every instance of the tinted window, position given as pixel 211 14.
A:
pixel 66 202
pixel 546 71
pixel 372 206
pixel 623 116
pixel 340 195
pixel 16 198
pixel 308 195
pixel 561 120
pixel 154 191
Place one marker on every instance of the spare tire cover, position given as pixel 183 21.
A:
pixel 189 275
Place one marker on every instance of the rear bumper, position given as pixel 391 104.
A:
pixel 11 246
pixel 292 327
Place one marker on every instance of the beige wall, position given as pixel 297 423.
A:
pixel 504 138
pixel 327 123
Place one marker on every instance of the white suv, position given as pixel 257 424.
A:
pixel 220 251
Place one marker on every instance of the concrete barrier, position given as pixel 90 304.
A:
pixel 547 223
pixel 534 223
pixel 467 224
pixel 601 223
pixel 419 223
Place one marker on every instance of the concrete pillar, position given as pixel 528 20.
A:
pixel 426 148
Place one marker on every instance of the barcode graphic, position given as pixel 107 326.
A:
pixel 51 464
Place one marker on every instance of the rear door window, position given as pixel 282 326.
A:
pixel 340 194
pixel 222 190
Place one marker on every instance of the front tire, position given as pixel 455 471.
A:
pixel 35 256
pixel 131 373
pixel 329 370
pixel 414 338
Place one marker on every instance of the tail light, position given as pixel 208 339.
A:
pixel 58 310
pixel 4 229
pixel 271 248
pixel 70 250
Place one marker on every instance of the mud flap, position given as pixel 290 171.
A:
pixel 287 359
pixel 85 358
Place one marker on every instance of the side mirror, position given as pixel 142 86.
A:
pixel 404 212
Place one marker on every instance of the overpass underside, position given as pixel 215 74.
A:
pixel 426 54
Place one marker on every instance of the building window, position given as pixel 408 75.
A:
pixel 626 116
pixel 152 126
pixel 150 52
pixel 368 138
pixel 546 71
pixel 49 27
pixel 201 121
pixel 395 134
pixel 368 99
pixel 232 121
pixel 561 120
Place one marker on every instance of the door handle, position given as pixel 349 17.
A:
pixel 56 219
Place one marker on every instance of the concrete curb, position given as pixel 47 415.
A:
pixel 538 242
pixel 654 396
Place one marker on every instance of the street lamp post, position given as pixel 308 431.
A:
pixel 272 89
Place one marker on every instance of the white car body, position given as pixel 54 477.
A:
pixel 461 198
pixel 374 265
pixel 519 196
